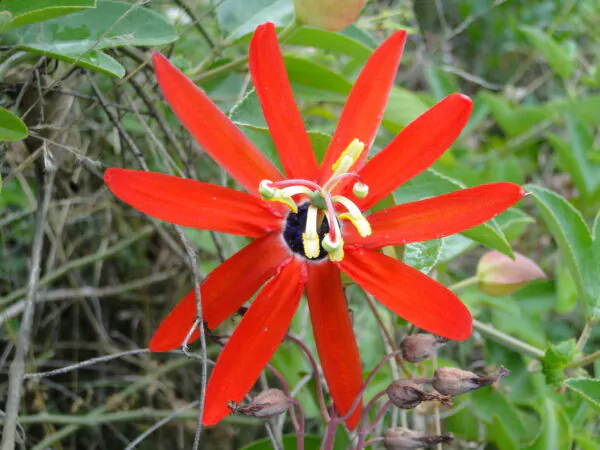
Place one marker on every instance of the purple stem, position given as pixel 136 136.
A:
pixel 315 369
pixel 366 383
pixel 296 182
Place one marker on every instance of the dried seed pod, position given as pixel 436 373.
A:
pixel 407 394
pixel 452 381
pixel 419 347
pixel 403 438
pixel 269 403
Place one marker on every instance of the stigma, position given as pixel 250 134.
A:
pixel 321 231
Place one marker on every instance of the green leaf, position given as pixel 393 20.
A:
pixel 555 432
pixel 431 183
pixel 573 155
pixel 25 12
pixel 558 58
pixel 566 290
pixel 79 37
pixel 329 41
pixel 11 127
pixel 402 108
pixel 238 18
pixel 423 256
pixel 573 238
pixel 303 72
pixel 556 359
pixel 588 388
pixel 289 443
pixel 492 407
pixel 515 120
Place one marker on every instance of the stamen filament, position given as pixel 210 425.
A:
pixel 333 230
pixel 328 187
pixel 354 215
pixel 296 182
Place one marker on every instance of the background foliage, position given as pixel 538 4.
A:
pixel 77 95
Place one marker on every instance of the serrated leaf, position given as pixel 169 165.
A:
pixel 80 37
pixel 588 388
pixel 431 183
pixel 12 128
pixel 25 12
pixel 573 238
pixel 556 359
pixel 558 58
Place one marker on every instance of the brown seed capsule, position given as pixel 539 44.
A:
pixel 403 438
pixel 269 403
pixel 452 381
pixel 407 394
pixel 419 347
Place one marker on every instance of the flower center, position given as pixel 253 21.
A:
pixel 313 229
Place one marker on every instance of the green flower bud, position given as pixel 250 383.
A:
pixel 332 15
pixel 499 275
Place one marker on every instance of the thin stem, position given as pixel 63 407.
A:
pixel 585 360
pixel 225 68
pixel 17 367
pixel 386 334
pixel 80 262
pixel 367 382
pixel 159 424
pixel 335 180
pixel 88 362
pixel 296 182
pixel 507 340
pixel 464 283
pixel 317 375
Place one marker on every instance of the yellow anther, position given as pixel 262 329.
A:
pixel 361 224
pixel 335 249
pixel 359 221
pixel 284 195
pixel 310 237
pixel 348 157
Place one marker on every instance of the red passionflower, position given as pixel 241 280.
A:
pixel 324 233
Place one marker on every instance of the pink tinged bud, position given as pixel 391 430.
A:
pixel 419 347
pixel 269 403
pixel 332 15
pixel 406 394
pixel 403 438
pixel 499 275
pixel 451 381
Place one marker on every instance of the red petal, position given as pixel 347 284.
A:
pixel 365 105
pixel 416 148
pixel 215 133
pixel 278 105
pixel 436 217
pixel 408 292
pixel 192 203
pixel 254 341
pixel 334 337
pixel 223 291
